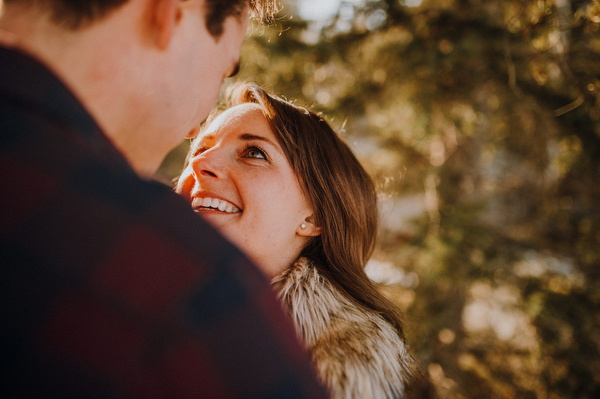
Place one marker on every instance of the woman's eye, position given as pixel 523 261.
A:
pixel 255 152
pixel 198 150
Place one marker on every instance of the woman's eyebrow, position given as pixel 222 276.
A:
pixel 203 138
pixel 198 141
pixel 251 137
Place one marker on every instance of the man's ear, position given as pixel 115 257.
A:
pixel 308 228
pixel 165 16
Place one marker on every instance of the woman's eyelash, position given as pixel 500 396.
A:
pixel 254 148
pixel 198 150
pixel 249 151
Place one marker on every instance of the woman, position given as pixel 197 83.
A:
pixel 280 183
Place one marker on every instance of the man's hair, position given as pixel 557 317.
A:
pixel 74 14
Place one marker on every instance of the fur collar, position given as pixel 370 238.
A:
pixel 356 353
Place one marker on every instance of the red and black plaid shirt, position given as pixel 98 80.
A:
pixel 110 285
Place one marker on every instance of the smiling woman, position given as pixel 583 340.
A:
pixel 239 179
pixel 281 184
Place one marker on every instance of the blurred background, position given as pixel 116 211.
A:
pixel 480 122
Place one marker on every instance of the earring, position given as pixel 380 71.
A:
pixel 303 226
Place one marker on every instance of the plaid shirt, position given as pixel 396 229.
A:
pixel 110 285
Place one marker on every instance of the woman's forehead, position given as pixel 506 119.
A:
pixel 242 111
pixel 244 117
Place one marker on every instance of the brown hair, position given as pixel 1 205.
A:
pixel 340 191
pixel 218 10
pixel 74 14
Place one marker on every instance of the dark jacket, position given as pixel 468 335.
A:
pixel 110 285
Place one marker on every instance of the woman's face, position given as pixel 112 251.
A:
pixel 239 180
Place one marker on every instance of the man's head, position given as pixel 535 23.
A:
pixel 77 13
pixel 149 71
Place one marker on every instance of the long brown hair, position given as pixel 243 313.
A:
pixel 340 191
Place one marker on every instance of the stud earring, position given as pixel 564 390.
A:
pixel 303 226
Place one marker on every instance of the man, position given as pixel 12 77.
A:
pixel 110 285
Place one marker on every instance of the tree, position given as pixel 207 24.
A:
pixel 480 121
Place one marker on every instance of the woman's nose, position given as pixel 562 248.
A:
pixel 208 164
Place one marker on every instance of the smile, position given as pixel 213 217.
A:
pixel 214 204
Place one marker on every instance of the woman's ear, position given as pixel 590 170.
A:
pixel 308 228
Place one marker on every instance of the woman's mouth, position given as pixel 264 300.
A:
pixel 214 204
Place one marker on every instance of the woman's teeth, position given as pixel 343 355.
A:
pixel 215 203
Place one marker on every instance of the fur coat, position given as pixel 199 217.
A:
pixel 357 353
